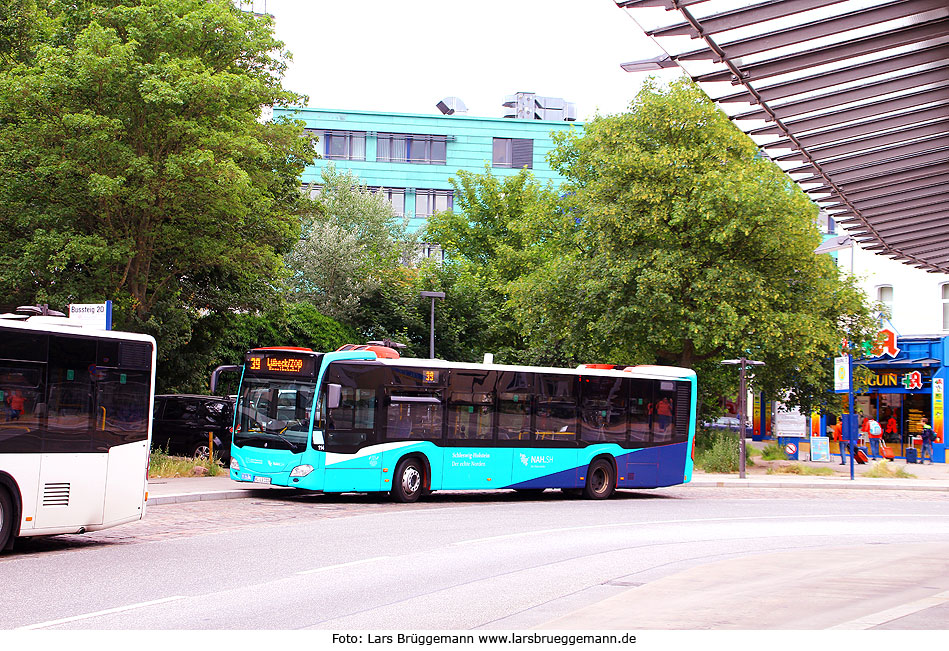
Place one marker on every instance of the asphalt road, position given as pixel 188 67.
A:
pixel 499 561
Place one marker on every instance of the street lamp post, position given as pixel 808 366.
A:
pixel 431 339
pixel 743 362
pixel 849 421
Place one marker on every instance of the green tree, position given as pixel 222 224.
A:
pixel 135 166
pixel 671 242
pixel 220 339
pixel 489 247
pixel 351 246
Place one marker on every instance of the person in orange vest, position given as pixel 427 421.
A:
pixel 16 402
pixel 839 437
pixel 874 433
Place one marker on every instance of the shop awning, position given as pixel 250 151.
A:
pixel 849 97
pixel 886 363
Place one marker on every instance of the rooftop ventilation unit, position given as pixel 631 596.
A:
pixel 530 106
pixel 452 105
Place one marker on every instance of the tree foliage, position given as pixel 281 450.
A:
pixel 220 339
pixel 134 165
pixel 674 242
pixel 350 246
pixel 489 248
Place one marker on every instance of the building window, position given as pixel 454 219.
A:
pixel 340 145
pixel 945 306
pixel 885 296
pixel 432 251
pixel 411 148
pixel 312 190
pixel 429 202
pixel 395 196
pixel 516 153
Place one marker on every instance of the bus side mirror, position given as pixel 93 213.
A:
pixel 333 394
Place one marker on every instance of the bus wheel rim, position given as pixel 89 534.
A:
pixel 411 479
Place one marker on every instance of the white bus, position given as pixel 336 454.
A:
pixel 75 427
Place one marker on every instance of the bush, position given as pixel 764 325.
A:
pixel 882 469
pixel 798 469
pixel 717 451
pixel 773 452
pixel 161 464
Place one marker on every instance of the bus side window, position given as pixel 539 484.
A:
pixel 414 415
pixel 556 408
pixel 603 414
pixel 663 426
pixel 471 405
pixel 515 405
pixel 640 411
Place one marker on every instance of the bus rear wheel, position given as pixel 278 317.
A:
pixel 6 518
pixel 408 484
pixel 601 480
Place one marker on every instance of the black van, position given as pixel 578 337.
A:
pixel 183 424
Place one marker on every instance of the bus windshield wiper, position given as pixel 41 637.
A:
pixel 279 434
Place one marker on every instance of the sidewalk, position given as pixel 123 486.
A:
pixel 178 490
pixel 928 477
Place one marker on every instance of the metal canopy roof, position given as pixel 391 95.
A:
pixel 849 97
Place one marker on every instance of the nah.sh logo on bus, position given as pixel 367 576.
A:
pixel 526 460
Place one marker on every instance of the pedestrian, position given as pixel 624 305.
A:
pixel 874 434
pixel 838 436
pixel 15 401
pixel 929 437
pixel 893 427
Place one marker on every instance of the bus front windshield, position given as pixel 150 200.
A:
pixel 274 414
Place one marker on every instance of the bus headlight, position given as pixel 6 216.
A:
pixel 301 471
pixel 234 465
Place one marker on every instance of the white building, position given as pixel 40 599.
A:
pixel 918 300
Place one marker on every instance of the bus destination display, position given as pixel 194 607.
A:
pixel 280 364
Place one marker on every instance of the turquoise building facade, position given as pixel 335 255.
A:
pixel 411 157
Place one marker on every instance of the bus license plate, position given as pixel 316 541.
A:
pixel 261 480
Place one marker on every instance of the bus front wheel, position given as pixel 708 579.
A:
pixel 6 518
pixel 409 481
pixel 601 480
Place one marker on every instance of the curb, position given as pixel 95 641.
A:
pixel 182 498
pixel 832 483
pixel 240 493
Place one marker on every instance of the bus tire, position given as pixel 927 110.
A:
pixel 601 480
pixel 6 519
pixel 408 484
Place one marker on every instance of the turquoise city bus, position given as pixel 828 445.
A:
pixel 363 419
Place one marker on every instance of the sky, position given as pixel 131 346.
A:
pixel 404 57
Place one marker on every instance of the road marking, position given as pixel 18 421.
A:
pixel 334 567
pixel 99 613
pixel 884 616
pixel 544 532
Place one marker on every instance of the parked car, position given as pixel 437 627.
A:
pixel 182 425
pixel 729 423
